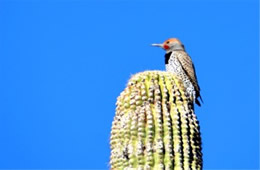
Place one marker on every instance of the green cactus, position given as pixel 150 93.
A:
pixel 155 126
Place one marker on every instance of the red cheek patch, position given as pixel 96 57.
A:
pixel 166 47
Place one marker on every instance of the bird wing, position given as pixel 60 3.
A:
pixel 189 69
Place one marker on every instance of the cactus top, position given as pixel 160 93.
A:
pixel 155 127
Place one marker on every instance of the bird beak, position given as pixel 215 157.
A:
pixel 158 45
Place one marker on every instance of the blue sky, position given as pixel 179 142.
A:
pixel 63 64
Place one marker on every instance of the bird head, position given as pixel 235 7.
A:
pixel 170 44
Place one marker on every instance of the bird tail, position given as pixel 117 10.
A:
pixel 197 101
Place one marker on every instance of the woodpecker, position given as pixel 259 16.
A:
pixel 179 62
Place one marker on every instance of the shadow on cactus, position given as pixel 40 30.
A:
pixel 155 126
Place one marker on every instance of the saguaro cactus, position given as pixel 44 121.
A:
pixel 155 126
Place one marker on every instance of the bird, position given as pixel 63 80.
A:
pixel 178 62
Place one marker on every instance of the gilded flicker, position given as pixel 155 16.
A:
pixel 179 62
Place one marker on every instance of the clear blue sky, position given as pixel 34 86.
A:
pixel 63 64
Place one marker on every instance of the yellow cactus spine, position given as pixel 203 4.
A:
pixel 155 126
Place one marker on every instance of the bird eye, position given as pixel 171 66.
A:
pixel 167 42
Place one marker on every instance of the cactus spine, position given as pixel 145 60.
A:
pixel 155 126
